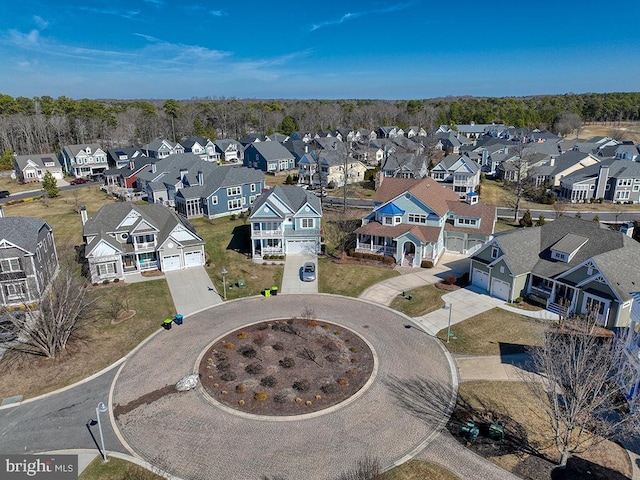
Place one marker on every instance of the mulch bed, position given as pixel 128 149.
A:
pixel 286 367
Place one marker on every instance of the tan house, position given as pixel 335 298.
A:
pixel 330 167
pixel 32 168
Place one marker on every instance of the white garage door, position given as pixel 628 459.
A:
pixel 171 262
pixel 480 279
pixel 499 289
pixel 455 244
pixel 192 259
pixel 301 246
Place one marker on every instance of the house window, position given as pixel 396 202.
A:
pixel 149 238
pixel 214 200
pixel 623 195
pixel 388 220
pixel 235 203
pixel 272 167
pixel 252 199
pixel 231 191
pixel 416 218
pixel 307 223
pixel 624 182
pixel 10 265
pixel 636 188
pixel 14 290
pixel 494 252
pixel 253 187
pixel 105 269
pixel 467 221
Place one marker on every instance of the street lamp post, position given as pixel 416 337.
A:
pixel 449 324
pixel 224 282
pixel 101 408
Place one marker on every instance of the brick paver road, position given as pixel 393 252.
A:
pixel 185 434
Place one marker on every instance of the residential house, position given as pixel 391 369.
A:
pixel 331 165
pixel 366 134
pixel 32 168
pixel 162 148
pixel 414 130
pixel 270 157
pixel 390 132
pixel 457 172
pixel 567 163
pixel 627 152
pixel 203 147
pixel 253 138
pixel 570 266
pixel 198 188
pixel 284 221
pixel 476 130
pixel 126 177
pixel 595 143
pixel 416 220
pixel 229 150
pixel 83 161
pixel 122 157
pixel 124 238
pixel 405 165
pixel 28 260
pixel 615 181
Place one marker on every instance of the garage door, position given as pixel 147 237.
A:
pixel 455 244
pixel 171 262
pixel 193 259
pixel 301 246
pixel 480 279
pixel 473 245
pixel 499 289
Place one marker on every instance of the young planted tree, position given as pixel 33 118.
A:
pixel 50 185
pixel 580 397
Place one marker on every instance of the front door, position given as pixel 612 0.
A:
pixel 596 308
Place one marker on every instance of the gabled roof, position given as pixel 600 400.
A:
pixel 191 141
pixel 529 250
pixel 72 150
pixel 427 190
pixel 271 150
pixel 39 159
pixel 22 232
pixel 107 219
pixel 292 196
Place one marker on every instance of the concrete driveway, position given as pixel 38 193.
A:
pixel 192 290
pixel 291 282
pixel 459 305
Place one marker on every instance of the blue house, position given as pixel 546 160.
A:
pixel 197 188
pixel 285 221
pixel 271 157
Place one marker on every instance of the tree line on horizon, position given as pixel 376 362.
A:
pixel 45 124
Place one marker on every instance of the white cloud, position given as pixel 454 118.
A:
pixel 354 15
pixel 40 22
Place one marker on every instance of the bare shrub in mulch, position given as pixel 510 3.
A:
pixel 292 367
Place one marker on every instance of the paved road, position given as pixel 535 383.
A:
pixel 291 282
pixel 610 216
pixel 58 421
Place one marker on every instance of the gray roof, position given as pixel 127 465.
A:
pixel 22 231
pixel 271 150
pixel 617 169
pixel 39 159
pixel 109 217
pixel 72 150
pixel 293 196
pixel 569 243
pixel 616 255
pixel 448 161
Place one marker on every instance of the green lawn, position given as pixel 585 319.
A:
pixel 494 332
pixel 349 279
pixel 424 300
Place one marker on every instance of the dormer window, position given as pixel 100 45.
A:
pixel 494 252
pixel 88 150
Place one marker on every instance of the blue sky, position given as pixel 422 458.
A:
pixel 330 50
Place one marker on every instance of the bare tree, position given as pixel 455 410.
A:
pixel 115 303
pixel 367 468
pixel 45 329
pixel 580 398
pixel 308 354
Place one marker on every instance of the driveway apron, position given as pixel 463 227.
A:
pixel 192 290
pixel 291 282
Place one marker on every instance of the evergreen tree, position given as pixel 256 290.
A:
pixel 541 221
pixel 6 160
pixel 526 220
pixel 50 185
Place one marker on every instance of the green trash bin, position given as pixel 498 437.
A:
pixel 274 290
pixel 267 292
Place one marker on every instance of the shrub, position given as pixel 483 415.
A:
pixel 253 368
pixel 278 346
pixel 241 389
pixel 313 323
pixel 332 357
pixel 269 381
pixel 343 381
pixel 222 366
pixel 247 351
pixel 116 280
pixel 371 256
pixel 229 345
pixel 105 281
pixel 353 349
pixel 280 397
pixel 260 339
pixel 426 264
pixel 260 396
pixel 228 376
pixel 518 300
pixel 287 362
pixel 221 356
pixel 241 402
pixel 463 281
pixel 301 385
pixel 352 373
pixel 329 388
pixel 450 279
pixel 232 217
pixel 242 335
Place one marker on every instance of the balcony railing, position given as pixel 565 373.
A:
pixel 145 245
pixel 266 233
pixel 148 264
pixel 302 232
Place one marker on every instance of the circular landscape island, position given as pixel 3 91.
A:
pixel 286 367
